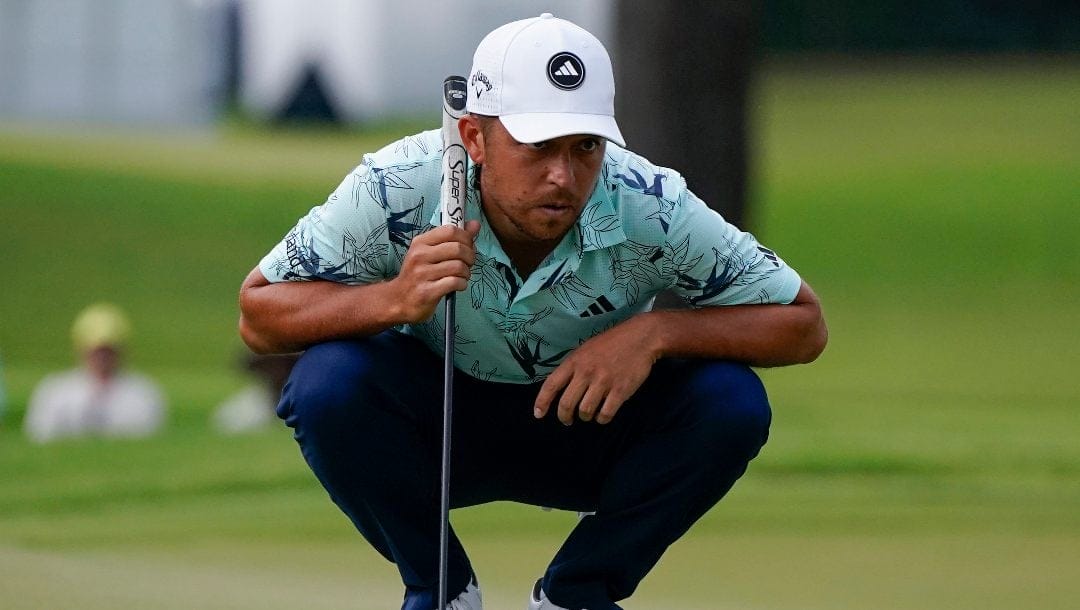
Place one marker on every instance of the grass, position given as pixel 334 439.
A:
pixel 927 460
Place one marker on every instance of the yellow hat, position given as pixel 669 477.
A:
pixel 100 325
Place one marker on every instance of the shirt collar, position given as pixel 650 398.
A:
pixel 600 224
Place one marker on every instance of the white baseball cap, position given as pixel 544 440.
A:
pixel 544 78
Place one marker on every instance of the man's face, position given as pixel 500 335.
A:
pixel 533 193
pixel 102 362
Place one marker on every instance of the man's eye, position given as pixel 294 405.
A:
pixel 538 145
pixel 590 145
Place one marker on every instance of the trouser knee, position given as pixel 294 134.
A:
pixel 326 387
pixel 734 414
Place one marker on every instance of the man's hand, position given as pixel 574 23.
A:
pixel 282 317
pixel 437 263
pixel 596 378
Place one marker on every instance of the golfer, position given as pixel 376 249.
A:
pixel 571 393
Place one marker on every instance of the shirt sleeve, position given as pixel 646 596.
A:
pixel 718 264
pixel 343 240
pixel 44 413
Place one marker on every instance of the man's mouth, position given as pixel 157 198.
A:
pixel 556 206
pixel 554 209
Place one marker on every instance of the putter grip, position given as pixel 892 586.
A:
pixel 455 161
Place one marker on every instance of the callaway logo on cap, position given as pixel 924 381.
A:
pixel 544 78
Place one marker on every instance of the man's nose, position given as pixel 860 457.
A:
pixel 561 170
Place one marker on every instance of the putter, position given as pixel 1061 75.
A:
pixel 452 206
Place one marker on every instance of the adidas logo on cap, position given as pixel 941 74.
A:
pixel 566 71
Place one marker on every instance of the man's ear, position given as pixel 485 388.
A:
pixel 472 136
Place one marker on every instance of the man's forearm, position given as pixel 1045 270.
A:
pixel 759 335
pixel 291 316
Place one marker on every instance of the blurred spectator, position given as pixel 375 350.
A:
pixel 253 406
pixel 99 398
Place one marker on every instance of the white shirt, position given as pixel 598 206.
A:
pixel 249 409
pixel 74 403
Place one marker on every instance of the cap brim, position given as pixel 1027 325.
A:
pixel 532 127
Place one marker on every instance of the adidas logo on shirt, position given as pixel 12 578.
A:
pixel 770 255
pixel 600 306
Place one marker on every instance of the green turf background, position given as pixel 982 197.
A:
pixel 929 459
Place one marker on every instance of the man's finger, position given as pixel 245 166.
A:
pixel 448 268
pixel 570 399
pixel 444 286
pixel 590 402
pixel 611 406
pixel 446 234
pixel 446 251
pixel 437 235
pixel 548 391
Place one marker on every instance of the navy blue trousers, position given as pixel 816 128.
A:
pixel 367 415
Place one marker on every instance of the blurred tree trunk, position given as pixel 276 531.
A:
pixel 682 75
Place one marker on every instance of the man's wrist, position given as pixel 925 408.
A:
pixel 393 303
pixel 653 338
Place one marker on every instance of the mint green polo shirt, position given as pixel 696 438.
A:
pixel 641 232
